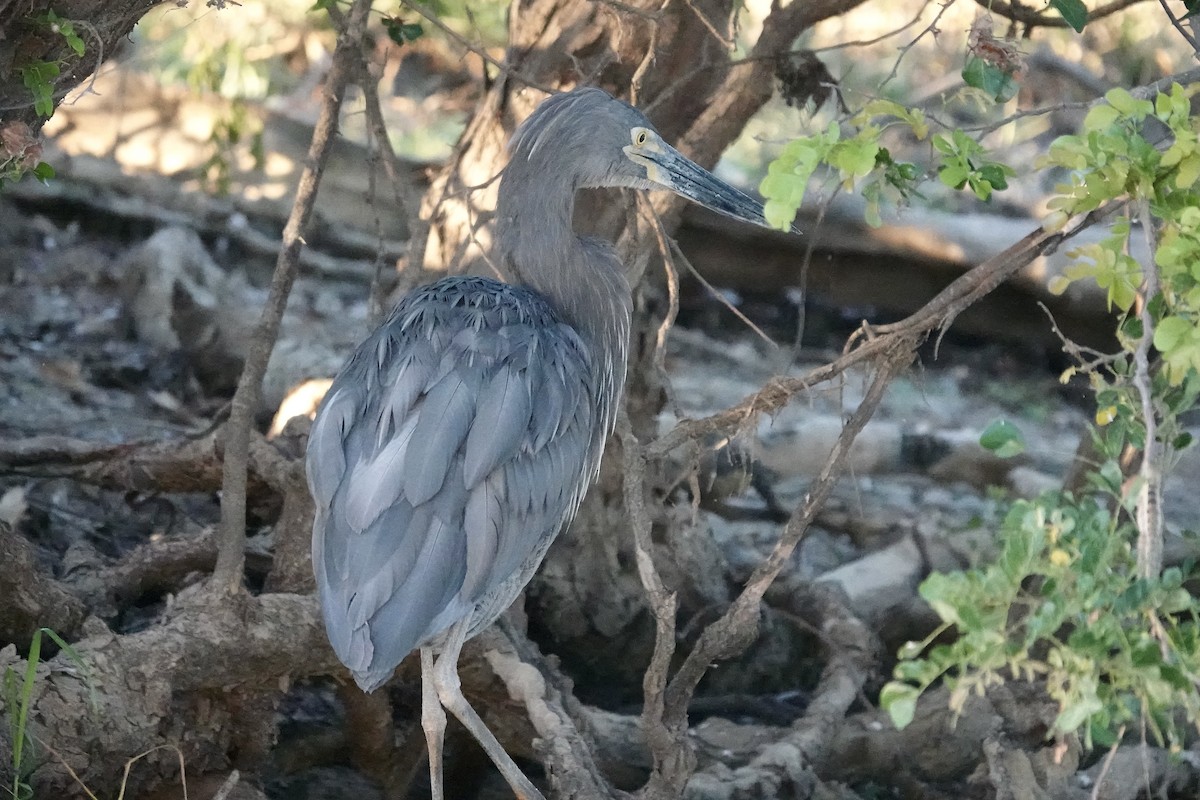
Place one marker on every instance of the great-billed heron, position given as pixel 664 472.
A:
pixel 460 437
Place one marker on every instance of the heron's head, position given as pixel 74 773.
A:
pixel 594 140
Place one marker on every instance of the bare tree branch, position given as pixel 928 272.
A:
pixel 227 577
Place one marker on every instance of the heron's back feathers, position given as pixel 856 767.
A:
pixel 447 454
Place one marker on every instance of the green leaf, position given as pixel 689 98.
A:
pixel 855 157
pixel 1073 11
pixel 779 215
pixel 38 78
pixel 1127 104
pixel 1073 715
pixel 400 31
pixel 43 172
pixel 954 175
pixel 1171 332
pixel 899 700
pixel 1100 117
pixel 1003 438
pixel 997 84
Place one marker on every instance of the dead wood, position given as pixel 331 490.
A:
pixel 156 566
pixel 31 599
pixel 188 465
pixel 166 684
pixel 666 724
pixel 566 751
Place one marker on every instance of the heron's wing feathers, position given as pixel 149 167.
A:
pixel 445 456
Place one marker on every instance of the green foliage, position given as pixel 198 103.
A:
pixel 1112 159
pixel 965 163
pixel 1062 604
pixel 38 77
pixel 402 32
pixel 859 161
pixel 1003 438
pixel 18 695
pixel 64 28
pixel 998 84
pixel 229 131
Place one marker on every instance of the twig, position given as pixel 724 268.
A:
pixel 407 195
pixel 1175 23
pixel 1107 765
pixel 228 786
pixel 1143 92
pixel 720 298
pixel 227 577
pixel 670 748
pixel 1149 514
pixel 869 342
pixel 802 306
pixel 639 74
pixel 723 39
pixel 478 50
pixel 904 51
pixel 1030 18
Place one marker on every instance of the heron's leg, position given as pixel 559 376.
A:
pixel 433 722
pixel 449 691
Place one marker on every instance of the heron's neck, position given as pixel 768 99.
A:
pixel 538 248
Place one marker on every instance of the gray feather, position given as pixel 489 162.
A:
pixel 500 424
pixel 434 499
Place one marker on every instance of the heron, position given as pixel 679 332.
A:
pixel 461 435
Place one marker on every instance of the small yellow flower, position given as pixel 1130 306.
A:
pixel 1059 557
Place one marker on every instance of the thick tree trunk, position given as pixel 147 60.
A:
pixel 34 51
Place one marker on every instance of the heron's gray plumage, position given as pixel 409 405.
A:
pixel 450 450
pixel 462 434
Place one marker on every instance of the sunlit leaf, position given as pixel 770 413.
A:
pixel 899 700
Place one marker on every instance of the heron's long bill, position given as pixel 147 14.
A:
pixel 685 177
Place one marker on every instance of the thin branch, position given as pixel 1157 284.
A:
pixel 738 626
pixel 720 298
pixel 1144 92
pixel 951 301
pixel 904 51
pixel 478 50
pixel 1149 513
pixel 673 758
pixel 1175 23
pixel 408 196
pixel 1031 18
pixel 1107 765
pixel 227 577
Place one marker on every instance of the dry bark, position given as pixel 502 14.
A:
pixel 29 40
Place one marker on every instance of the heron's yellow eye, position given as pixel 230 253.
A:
pixel 639 137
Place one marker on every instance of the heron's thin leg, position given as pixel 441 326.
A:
pixel 433 722
pixel 449 691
